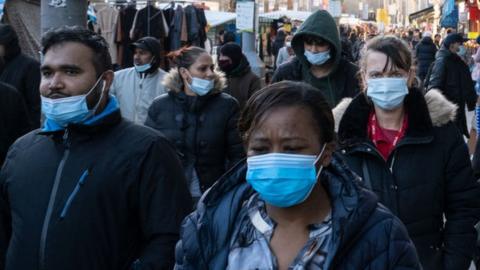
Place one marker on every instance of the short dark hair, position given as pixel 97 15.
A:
pixel 288 94
pixel 102 60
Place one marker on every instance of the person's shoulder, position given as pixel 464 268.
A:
pixel 7 90
pixel 124 72
pixel 140 134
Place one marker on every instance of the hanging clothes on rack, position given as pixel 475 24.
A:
pixel 124 24
pixel 177 29
pixel 107 18
pixel 149 21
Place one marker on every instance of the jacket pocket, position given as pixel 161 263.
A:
pixel 80 183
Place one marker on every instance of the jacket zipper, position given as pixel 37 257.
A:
pixel 51 202
pixel 80 183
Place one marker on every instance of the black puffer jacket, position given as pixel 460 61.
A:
pixel 425 55
pixel 23 73
pixel 14 121
pixel 452 77
pixel 203 128
pixel 427 176
pixel 365 234
pixel 105 196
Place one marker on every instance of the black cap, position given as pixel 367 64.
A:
pixel 150 44
pixel 453 38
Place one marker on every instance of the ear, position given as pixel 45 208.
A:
pixel 328 154
pixel 108 78
pixel 183 73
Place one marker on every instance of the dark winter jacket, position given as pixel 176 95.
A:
pixel 452 77
pixel 427 177
pixel 23 73
pixel 203 128
pixel 109 195
pixel 242 82
pixel 341 81
pixel 175 32
pixel 14 121
pixel 365 234
pixel 425 55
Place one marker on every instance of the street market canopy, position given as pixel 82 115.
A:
pixel 216 18
pixel 420 13
pixel 292 14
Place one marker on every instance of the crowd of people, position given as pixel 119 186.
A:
pixel 354 156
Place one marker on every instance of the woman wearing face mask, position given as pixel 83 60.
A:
pixel 198 118
pixel 293 204
pixel 318 60
pixel 408 151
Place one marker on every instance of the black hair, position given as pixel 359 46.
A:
pixel 102 60
pixel 288 94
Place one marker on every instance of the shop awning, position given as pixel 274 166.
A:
pixel 215 18
pixel 292 14
pixel 420 13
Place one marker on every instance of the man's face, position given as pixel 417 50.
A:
pixel 315 45
pixel 455 47
pixel 142 57
pixel 68 70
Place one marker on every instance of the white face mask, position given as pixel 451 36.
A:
pixel 70 110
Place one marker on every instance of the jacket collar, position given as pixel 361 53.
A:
pixel 108 117
pixel 424 113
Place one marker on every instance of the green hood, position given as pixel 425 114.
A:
pixel 320 24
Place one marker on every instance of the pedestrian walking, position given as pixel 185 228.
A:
pixel 407 150
pixel 20 71
pixel 89 190
pixel 425 55
pixel 135 88
pixel 452 77
pixel 318 60
pixel 241 81
pixel 198 118
pixel 293 204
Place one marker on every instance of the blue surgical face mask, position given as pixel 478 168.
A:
pixel 200 87
pixel 283 180
pixel 143 68
pixel 387 93
pixel 317 59
pixel 70 110
pixel 462 51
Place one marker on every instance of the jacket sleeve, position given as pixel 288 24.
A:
pixel 235 150
pixel 437 75
pixel 5 216
pixel 32 94
pixel 468 88
pixel 255 85
pixel 151 115
pixel 401 251
pixel 462 206
pixel 163 202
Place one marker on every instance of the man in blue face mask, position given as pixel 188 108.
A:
pixel 89 183
pixel 137 87
pixel 318 60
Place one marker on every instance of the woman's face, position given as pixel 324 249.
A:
pixel 288 130
pixel 376 67
pixel 202 68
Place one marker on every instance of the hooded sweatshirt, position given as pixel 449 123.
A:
pixel 340 81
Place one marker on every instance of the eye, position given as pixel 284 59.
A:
pixel 293 148
pixel 46 73
pixel 257 150
pixel 71 72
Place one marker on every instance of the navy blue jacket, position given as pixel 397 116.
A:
pixel 365 234
pixel 425 54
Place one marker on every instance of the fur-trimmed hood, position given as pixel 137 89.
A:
pixel 173 82
pixel 425 112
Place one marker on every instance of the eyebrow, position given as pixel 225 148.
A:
pixel 294 138
pixel 61 67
